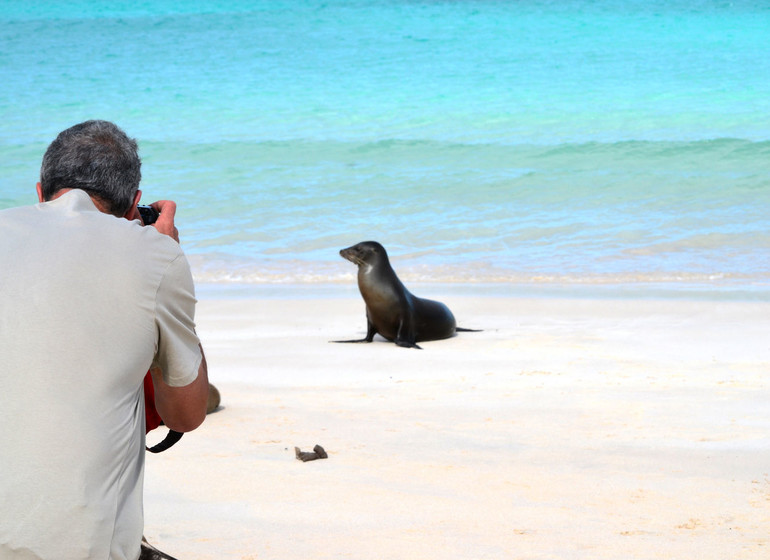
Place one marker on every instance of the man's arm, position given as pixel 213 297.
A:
pixel 182 408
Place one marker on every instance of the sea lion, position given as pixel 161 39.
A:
pixel 391 310
pixel 213 400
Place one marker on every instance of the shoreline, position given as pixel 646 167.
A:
pixel 736 291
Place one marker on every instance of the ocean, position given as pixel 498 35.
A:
pixel 517 143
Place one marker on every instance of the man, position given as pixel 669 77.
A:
pixel 89 301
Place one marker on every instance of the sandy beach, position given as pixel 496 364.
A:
pixel 570 428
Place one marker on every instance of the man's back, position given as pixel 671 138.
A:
pixel 83 298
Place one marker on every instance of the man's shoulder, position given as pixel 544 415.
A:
pixel 16 211
pixel 151 251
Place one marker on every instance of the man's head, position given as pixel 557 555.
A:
pixel 97 157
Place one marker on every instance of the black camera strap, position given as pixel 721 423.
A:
pixel 171 438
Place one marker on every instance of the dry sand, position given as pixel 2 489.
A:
pixel 568 429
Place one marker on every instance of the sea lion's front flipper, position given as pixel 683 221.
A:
pixel 345 341
pixel 371 330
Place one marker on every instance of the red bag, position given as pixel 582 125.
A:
pixel 151 417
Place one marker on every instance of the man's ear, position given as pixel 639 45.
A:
pixel 40 193
pixel 131 214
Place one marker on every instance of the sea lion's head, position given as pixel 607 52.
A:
pixel 366 253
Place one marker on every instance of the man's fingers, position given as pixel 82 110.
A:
pixel 165 223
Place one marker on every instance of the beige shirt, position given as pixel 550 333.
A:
pixel 88 302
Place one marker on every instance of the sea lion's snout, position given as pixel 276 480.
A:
pixel 364 252
pixel 353 254
pixel 347 254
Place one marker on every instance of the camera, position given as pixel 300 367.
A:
pixel 148 213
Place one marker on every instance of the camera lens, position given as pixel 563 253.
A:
pixel 149 214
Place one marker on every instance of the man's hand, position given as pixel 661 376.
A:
pixel 165 222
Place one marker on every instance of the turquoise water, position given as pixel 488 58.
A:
pixel 523 142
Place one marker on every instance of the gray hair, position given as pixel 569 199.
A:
pixel 97 157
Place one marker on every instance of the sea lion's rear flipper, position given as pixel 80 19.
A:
pixel 460 329
pixel 405 336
